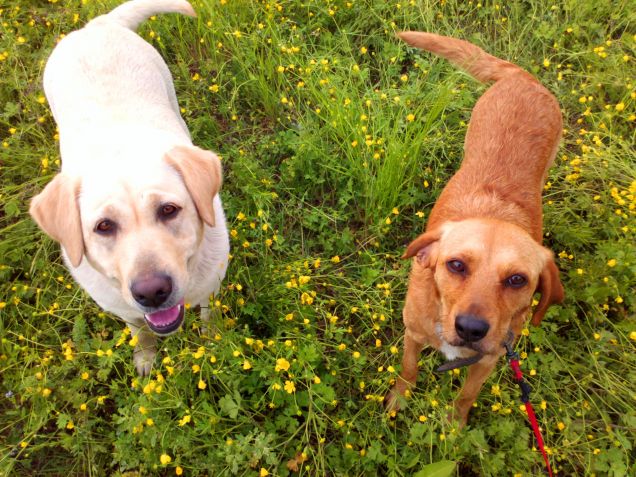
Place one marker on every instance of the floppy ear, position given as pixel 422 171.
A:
pixel 425 248
pixel 56 211
pixel 550 288
pixel 201 172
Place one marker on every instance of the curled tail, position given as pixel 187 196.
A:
pixel 132 13
pixel 469 57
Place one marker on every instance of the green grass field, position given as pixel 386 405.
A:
pixel 336 140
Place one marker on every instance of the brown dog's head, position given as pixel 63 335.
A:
pixel 486 272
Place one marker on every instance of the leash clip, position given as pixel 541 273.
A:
pixel 510 352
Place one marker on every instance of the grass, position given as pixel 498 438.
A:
pixel 327 177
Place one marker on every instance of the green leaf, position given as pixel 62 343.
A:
pixel 229 406
pixel 443 468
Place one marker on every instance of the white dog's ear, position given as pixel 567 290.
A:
pixel 56 211
pixel 201 172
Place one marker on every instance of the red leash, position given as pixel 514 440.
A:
pixel 513 359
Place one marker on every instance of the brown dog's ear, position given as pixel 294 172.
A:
pixel 425 248
pixel 550 288
pixel 56 211
pixel 201 172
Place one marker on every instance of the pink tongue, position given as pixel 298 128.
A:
pixel 164 317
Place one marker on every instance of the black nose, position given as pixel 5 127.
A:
pixel 471 328
pixel 152 290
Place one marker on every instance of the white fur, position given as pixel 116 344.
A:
pixel 451 352
pixel 114 102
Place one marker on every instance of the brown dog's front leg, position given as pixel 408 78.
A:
pixel 477 375
pixel 408 376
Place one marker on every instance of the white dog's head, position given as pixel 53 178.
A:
pixel 139 226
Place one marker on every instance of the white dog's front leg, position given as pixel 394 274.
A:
pixel 211 318
pixel 146 349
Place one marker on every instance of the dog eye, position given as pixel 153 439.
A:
pixel 516 281
pixel 167 211
pixel 105 227
pixel 456 266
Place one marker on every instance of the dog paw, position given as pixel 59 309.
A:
pixel 144 359
pixel 456 417
pixel 392 401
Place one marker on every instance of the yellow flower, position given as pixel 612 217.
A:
pixel 410 118
pixel 560 426
pixel 611 262
pixel 335 259
pixel 620 106
pixel 133 341
pixel 178 470
pixel 356 354
pixel 184 420
pixel 263 472
pixel 201 384
pixel 290 387
pixel 317 379
pixel 46 392
pixel 246 365
pixel 363 50
pixel 281 365
pixel 165 459
pixel 546 62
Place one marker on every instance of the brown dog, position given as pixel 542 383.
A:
pixel 480 261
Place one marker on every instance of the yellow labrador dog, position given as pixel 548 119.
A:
pixel 135 206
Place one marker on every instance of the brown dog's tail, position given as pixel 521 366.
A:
pixel 469 57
